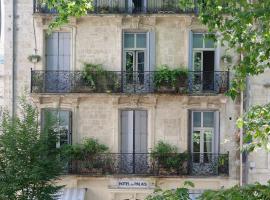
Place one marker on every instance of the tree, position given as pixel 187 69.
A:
pixel 257 128
pixel 248 192
pixel 29 159
pixel 172 194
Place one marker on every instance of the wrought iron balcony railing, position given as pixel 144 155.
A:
pixel 129 7
pixel 147 164
pixel 195 82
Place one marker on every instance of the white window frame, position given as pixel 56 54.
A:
pixel 194 50
pixel 202 130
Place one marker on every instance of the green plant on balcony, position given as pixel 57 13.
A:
pixel 186 4
pixel 168 160
pixel 99 80
pixel 180 79
pixel 37 82
pixel 90 156
pixel 170 80
pixel 223 162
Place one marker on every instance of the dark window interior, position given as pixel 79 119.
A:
pixel 138 5
pixel 208 70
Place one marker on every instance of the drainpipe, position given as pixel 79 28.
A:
pixel 13 57
pixel 241 138
pixel 241 130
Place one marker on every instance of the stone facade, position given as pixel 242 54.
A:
pixel 258 165
pixel 98 39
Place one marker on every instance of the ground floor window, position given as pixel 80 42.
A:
pixel 62 123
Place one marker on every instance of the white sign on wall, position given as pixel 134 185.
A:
pixel 132 184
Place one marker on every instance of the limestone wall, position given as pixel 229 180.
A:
pixel 258 93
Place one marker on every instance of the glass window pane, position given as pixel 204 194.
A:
pixel 196 146
pixel 129 40
pixel 196 119
pixel 197 40
pixel 209 42
pixel 196 141
pixel 141 40
pixel 208 119
pixel 129 67
pixel 197 61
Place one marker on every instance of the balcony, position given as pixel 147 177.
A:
pixel 122 82
pixel 145 164
pixel 129 7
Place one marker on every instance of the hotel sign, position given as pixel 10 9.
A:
pixel 133 184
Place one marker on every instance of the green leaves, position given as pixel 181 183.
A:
pixel 249 192
pixel 66 9
pixel 28 163
pixel 251 38
pixel 256 124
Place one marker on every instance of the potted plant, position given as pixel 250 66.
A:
pixel 37 82
pixel 227 59
pixel 167 159
pixel 181 80
pixel 90 78
pixel 89 157
pixel 164 80
pixel 223 164
pixel 34 58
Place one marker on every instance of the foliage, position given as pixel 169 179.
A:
pixel 29 159
pixel 173 194
pixel 34 58
pixel 257 127
pixel 252 38
pixel 91 73
pixel 66 9
pixel 248 192
pixel 171 78
pixel 167 157
pixel 99 79
pixel 90 147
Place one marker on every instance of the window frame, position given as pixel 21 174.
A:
pixel 70 122
pixel 202 130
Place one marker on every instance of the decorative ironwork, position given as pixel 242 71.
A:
pixel 128 7
pixel 147 164
pixel 214 82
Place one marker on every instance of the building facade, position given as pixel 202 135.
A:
pixel 124 101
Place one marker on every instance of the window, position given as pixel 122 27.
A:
pixel 58 50
pixel 58 55
pixel 203 61
pixel 138 61
pixel 62 126
pixel 135 51
pixel 135 6
pixel 203 135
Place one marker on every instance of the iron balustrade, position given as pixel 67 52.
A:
pixel 196 82
pixel 147 164
pixel 128 7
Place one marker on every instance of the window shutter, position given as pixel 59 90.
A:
pixel 64 51
pixel 52 52
pixel 151 58
pixel 189 130
pixel 70 128
pixel 190 54
pixel 217 132
pixel 217 56
pixel 141 131
pixel 151 48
